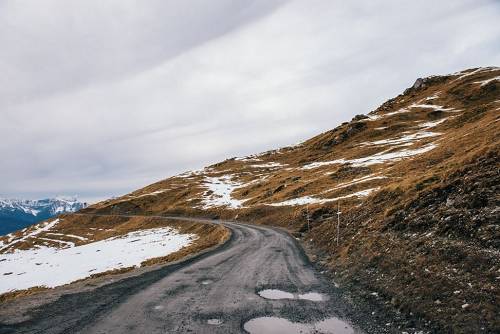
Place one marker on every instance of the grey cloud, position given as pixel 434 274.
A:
pixel 219 79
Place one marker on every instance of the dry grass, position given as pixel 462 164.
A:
pixel 21 293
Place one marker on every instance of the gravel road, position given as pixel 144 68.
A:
pixel 217 292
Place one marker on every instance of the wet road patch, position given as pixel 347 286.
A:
pixel 276 294
pixel 313 296
pixel 206 282
pixel 214 322
pixel 275 325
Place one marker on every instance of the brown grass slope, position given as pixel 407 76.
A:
pixel 426 239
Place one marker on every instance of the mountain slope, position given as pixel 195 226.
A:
pixel 417 183
pixel 445 120
pixel 16 214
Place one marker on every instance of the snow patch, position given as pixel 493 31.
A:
pixel 461 75
pixel 432 97
pixel 314 200
pixel 248 158
pixel 407 139
pixel 487 81
pixel 52 267
pixel 219 192
pixel 153 193
pixel 363 179
pixel 428 125
pixel 69 235
pixel 430 106
pixel 377 158
pixel 65 243
pixel 43 227
pixel 268 165
pixel 414 106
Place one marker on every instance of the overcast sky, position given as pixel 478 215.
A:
pixel 98 98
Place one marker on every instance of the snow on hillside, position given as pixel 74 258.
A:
pixel 313 200
pixel 44 227
pixel 51 267
pixel 219 192
pixel 377 158
pixel 350 161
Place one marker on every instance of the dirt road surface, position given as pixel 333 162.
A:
pixel 217 292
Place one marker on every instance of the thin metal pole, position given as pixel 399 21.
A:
pixel 338 222
pixel 307 216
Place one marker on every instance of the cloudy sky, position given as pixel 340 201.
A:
pixel 98 98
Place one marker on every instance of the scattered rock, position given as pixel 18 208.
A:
pixel 419 83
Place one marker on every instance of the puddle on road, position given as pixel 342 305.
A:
pixel 275 325
pixel 214 322
pixel 279 294
pixel 333 325
pixel 313 296
pixel 276 294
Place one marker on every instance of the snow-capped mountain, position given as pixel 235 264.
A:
pixel 17 213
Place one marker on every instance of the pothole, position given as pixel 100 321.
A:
pixel 280 294
pixel 272 325
pixel 214 322
pixel 276 294
pixel 313 296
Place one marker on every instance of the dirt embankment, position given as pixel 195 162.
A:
pixel 433 255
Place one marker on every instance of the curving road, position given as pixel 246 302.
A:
pixel 213 293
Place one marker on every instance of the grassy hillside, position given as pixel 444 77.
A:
pixel 417 183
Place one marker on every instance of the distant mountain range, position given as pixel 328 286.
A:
pixel 16 214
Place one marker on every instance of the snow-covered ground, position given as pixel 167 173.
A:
pixel 428 125
pixel 362 179
pixel 268 165
pixel 463 74
pixel 219 192
pixel 408 109
pixel 487 81
pixel 315 200
pixel 408 139
pixel 432 97
pixel 34 231
pixel 52 267
pixel 378 158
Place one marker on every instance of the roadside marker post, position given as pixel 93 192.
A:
pixel 307 217
pixel 338 222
